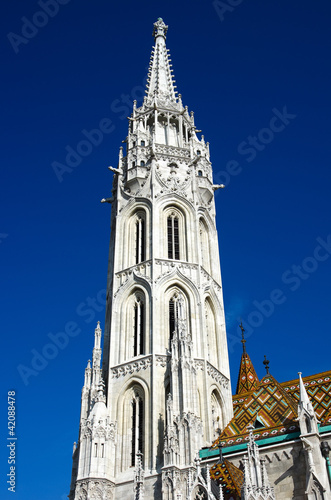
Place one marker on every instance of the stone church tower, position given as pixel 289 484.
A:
pixel 163 391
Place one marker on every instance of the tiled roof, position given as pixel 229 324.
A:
pixel 268 408
pixel 271 407
pixel 230 477
pixel 318 388
pixel 247 379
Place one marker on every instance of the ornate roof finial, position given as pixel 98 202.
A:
pixel 247 378
pixel 160 28
pixel 243 341
pixel 266 364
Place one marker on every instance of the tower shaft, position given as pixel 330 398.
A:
pixel 165 360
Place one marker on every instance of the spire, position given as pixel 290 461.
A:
pixel 97 336
pixel 256 484
pixel 306 414
pixel 160 83
pixel 96 356
pixel 304 402
pixel 247 378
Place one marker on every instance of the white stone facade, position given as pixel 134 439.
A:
pixel 165 360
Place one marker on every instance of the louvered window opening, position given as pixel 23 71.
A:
pixel 173 238
pixel 139 327
pixel 140 240
pixel 172 318
pixel 137 428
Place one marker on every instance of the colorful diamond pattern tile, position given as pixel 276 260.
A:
pixel 318 388
pixel 273 405
pixel 247 379
pixel 230 477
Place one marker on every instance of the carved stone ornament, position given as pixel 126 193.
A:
pixel 218 376
pixel 129 368
pixel 100 489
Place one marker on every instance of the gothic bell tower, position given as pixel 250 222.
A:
pixel 163 391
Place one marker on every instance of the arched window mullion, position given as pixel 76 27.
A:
pixel 140 425
pixel 169 227
pixel 134 424
pixel 135 334
pixel 140 240
pixel 172 319
pixel 173 237
pixel 176 238
pixel 138 236
pixel 139 328
pixel 137 443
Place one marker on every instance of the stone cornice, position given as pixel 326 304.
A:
pixel 133 366
pixel 217 375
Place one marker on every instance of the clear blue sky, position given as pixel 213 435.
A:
pixel 238 71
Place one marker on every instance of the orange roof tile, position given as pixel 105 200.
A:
pixel 247 379
pixel 229 476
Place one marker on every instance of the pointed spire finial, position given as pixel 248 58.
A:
pixel 266 364
pixel 97 336
pixel 250 429
pixel 243 341
pixel 304 398
pixel 160 83
pixel 160 28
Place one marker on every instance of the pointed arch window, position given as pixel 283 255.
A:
pixel 200 493
pixel 211 333
pixel 139 327
pixel 137 443
pixel 172 317
pixel 173 236
pixel 140 238
pixel 175 233
pixel 204 245
pixel 216 411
